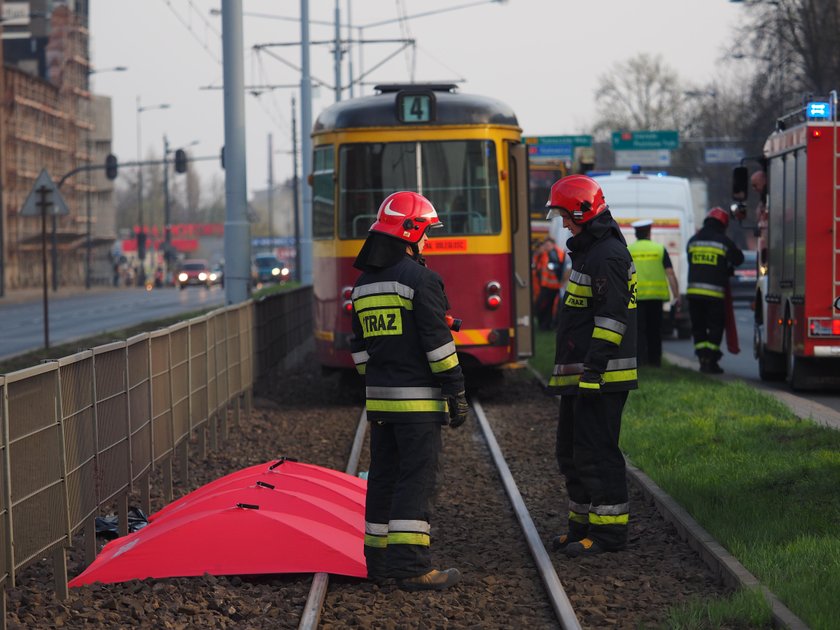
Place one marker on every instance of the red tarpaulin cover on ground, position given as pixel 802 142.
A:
pixel 280 517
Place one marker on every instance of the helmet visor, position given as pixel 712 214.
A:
pixel 556 211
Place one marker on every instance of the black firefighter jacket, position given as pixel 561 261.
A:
pixel 711 254
pixel 597 327
pixel 403 345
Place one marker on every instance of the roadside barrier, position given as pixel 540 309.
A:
pixel 83 432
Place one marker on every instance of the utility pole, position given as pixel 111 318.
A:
pixel 306 146
pixel 337 56
pixel 295 191
pixel 270 188
pixel 167 227
pixel 237 229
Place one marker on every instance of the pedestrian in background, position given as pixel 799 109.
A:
pixel 712 256
pixel 595 367
pixel 655 274
pixel 414 385
pixel 549 264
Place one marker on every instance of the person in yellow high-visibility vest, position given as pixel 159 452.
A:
pixel 655 275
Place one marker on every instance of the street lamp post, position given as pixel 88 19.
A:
pixel 141 236
pixel 88 213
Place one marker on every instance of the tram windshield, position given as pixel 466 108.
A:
pixel 459 177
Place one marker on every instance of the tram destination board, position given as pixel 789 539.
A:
pixel 415 106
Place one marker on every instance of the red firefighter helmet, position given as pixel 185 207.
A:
pixel 406 215
pixel 579 196
pixel 720 214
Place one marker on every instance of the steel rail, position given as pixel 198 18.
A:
pixel 318 591
pixel 559 601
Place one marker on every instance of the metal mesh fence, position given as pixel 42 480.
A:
pixel 76 433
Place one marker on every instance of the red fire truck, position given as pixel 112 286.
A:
pixel 797 306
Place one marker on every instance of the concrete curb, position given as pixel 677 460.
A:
pixel 715 555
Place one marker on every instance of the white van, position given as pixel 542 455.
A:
pixel 668 202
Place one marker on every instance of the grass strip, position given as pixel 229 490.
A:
pixel 762 481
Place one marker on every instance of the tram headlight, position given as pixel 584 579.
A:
pixel 493 290
pixel 348 307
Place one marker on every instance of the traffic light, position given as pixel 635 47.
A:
pixel 180 161
pixel 111 166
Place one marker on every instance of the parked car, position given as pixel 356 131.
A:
pixel 742 282
pixel 193 271
pixel 217 274
pixel 269 269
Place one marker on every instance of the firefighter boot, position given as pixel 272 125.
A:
pixel 576 532
pixel 434 580
pixel 584 547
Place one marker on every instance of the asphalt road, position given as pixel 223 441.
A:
pixel 743 365
pixel 75 314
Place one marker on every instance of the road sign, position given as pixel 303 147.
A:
pixel 556 146
pixel 645 140
pixel 46 190
pixel 723 155
pixel 658 157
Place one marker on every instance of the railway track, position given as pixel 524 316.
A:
pixel 475 528
pixel 514 580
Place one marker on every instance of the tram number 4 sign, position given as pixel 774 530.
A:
pixel 415 107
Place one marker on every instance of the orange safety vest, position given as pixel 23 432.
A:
pixel 550 268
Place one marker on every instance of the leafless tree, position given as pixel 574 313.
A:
pixel 640 93
pixel 794 44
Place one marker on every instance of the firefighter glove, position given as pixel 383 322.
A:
pixel 590 383
pixel 458 409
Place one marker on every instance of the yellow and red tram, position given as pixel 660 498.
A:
pixel 465 154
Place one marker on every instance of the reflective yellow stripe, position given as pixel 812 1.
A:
pixel 408 538
pixel 700 249
pixel 603 519
pixel 382 301
pixel 374 404
pixel 380 542
pixel 361 368
pixel 616 376
pixel 563 381
pixel 444 364
pixel 579 518
pixel 607 335
pixel 706 292
pixel 587 385
pixel 578 289
pixel 619 376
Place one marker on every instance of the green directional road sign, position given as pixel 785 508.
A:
pixel 562 147
pixel 645 140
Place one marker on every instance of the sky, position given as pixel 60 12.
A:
pixel 541 57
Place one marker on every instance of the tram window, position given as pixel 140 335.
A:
pixel 460 177
pixel 323 193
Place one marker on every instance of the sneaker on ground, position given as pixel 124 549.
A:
pixel 434 580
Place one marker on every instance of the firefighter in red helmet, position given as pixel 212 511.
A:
pixel 414 385
pixel 595 368
pixel 712 256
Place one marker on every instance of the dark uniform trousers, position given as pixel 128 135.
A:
pixel 401 484
pixel 649 342
pixel 708 316
pixel 593 465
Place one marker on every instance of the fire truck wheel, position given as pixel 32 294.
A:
pixel 796 372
